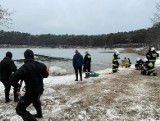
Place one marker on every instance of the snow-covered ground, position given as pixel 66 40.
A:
pixel 7 111
pixel 107 97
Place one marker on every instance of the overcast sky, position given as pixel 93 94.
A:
pixel 79 16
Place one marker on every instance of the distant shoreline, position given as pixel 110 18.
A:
pixel 30 46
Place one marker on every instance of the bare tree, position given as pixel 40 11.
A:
pixel 5 19
pixel 156 18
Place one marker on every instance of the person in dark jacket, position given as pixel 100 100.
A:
pixel 32 73
pixel 87 64
pixel 7 66
pixel 77 64
pixel 152 55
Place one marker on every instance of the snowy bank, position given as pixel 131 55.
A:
pixel 121 96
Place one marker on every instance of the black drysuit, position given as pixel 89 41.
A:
pixel 32 73
pixel 7 66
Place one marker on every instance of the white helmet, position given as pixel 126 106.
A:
pixel 138 59
pixel 145 59
pixel 152 49
pixel 117 53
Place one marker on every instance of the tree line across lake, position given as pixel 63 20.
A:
pixel 137 38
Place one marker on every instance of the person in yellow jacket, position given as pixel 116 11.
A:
pixel 126 62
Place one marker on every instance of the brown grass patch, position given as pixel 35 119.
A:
pixel 133 50
pixel 130 50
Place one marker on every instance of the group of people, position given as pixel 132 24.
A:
pixel 80 63
pixel 32 73
pixel 147 65
pixel 126 62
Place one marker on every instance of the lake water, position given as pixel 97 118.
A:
pixel 101 58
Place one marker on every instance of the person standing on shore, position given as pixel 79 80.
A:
pixel 87 64
pixel 7 66
pixel 115 63
pixel 32 73
pixel 77 64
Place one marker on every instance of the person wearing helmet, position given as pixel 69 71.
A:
pixel 151 69
pixel 152 55
pixel 115 63
pixel 139 64
pixel 145 66
pixel 148 68
pixel 7 66
pixel 32 73
pixel 115 55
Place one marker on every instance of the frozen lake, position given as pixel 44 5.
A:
pixel 101 58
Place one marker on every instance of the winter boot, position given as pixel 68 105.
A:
pixel 38 115
pixel 154 74
pixel 28 117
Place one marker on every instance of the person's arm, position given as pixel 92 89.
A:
pixel 45 72
pixel 14 78
pixel 73 61
pixel 12 66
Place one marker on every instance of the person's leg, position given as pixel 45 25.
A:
pixel 76 72
pixel 85 70
pixel 15 90
pixel 89 69
pixel 80 72
pixel 21 110
pixel 37 105
pixel 7 87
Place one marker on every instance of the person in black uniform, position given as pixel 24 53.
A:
pixel 139 64
pixel 148 68
pixel 32 73
pixel 145 66
pixel 115 63
pixel 87 64
pixel 152 55
pixel 7 66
